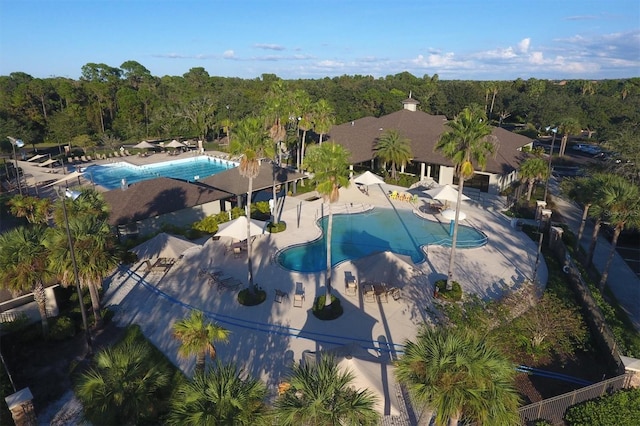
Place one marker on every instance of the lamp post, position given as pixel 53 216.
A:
pixel 16 143
pixel 73 195
pixel 553 141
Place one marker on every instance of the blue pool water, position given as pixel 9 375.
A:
pixel 358 235
pixel 190 169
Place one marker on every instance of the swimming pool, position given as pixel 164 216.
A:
pixel 358 235
pixel 190 169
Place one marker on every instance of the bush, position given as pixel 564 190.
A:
pixel 274 228
pixel 621 409
pixel 62 328
pixel 246 298
pixel 327 313
pixel 453 295
pixel 21 321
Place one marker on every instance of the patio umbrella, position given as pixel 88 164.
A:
pixel 445 193
pixel 237 228
pixel 145 145
pixel 368 178
pixel 163 245
pixel 175 144
pixel 451 215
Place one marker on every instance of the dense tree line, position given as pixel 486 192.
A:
pixel 112 104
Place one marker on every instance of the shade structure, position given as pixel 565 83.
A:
pixel 368 178
pixel 445 193
pixel 36 157
pixel 48 162
pixel 163 245
pixel 145 145
pixel 237 228
pixel 375 377
pixel 174 144
pixel 450 214
pixel 74 175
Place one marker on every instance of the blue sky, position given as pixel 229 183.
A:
pixel 456 39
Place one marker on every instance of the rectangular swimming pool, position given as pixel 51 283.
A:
pixel 113 175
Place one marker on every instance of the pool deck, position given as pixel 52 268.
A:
pixel 267 338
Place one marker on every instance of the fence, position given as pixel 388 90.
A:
pixel 553 409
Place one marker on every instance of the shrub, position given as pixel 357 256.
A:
pixel 209 225
pixel 621 409
pixel 453 295
pixel 62 328
pixel 246 298
pixel 20 322
pixel 274 228
pixel 327 313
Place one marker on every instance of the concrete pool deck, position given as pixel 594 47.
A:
pixel 267 338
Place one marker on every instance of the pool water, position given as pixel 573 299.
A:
pixel 111 175
pixel 359 235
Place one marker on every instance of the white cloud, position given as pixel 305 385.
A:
pixel 268 46
pixel 229 54
pixel 524 44
pixel 536 58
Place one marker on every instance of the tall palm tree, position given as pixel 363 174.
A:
pixel 274 111
pixel 221 396
pixel 323 395
pixel 531 171
pixel 323 118
pixel 394 148
pixel 121 388
pixel 34 209
pixel 305 119
pixel 583 190
pixel 457 375
pixel 252 143
pixel 468 140
pixel 622 201
pixel 197 337
pixel 570 126
pixel 23 265
pixel 94 249
pixel 329 164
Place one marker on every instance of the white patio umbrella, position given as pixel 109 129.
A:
pixel 237 228
pixel 144 145
pixel 368 178
pixel 174 144
pixel 450 214
pixel 445 193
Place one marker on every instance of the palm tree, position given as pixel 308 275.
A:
pixel 622 201
pixel 34 209
pixel 392 147
pixel 329 164
pixel 121 388
pixel 252 143
pixel 221 396
pixel 583 190
pixel 468 140
pixel 323 395
pixel 197 337
pixel 532 170
pixel 94 249
pixel 274 112
pixel 323 118
pixel 306 119
pixel 599 210
pixel 457 375
pixel 569 127
pixel 23 265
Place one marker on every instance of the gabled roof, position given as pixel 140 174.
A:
pixel 157 197
pixel 423 130
pixel 232 182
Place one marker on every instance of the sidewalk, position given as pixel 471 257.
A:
pixel 623 282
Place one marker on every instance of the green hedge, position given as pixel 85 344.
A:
pixel 620 409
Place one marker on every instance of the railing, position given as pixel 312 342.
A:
pixel 553 409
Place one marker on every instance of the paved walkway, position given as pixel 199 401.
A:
pixel 623 282
pixel 266 339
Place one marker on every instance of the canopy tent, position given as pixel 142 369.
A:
pixel 237 228
pixel 163 245
pixel 145 145
pixel 368 178
pixel 445 193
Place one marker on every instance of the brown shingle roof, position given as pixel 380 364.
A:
pixel 423 130
pixel 232 182
pixel 156 197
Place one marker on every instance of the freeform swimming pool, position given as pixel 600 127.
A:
pixel 190 169
pixel 358 235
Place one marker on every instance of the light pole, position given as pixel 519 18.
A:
pixel 73 195
pixel 553 141
pixel 16 143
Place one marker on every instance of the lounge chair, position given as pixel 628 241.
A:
pixel 281 295
pixel 394 195
pixel 369 293
pixel 351 284
pixel 394 292
pixel 298 297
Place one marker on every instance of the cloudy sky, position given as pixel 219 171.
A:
pixel 456 39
